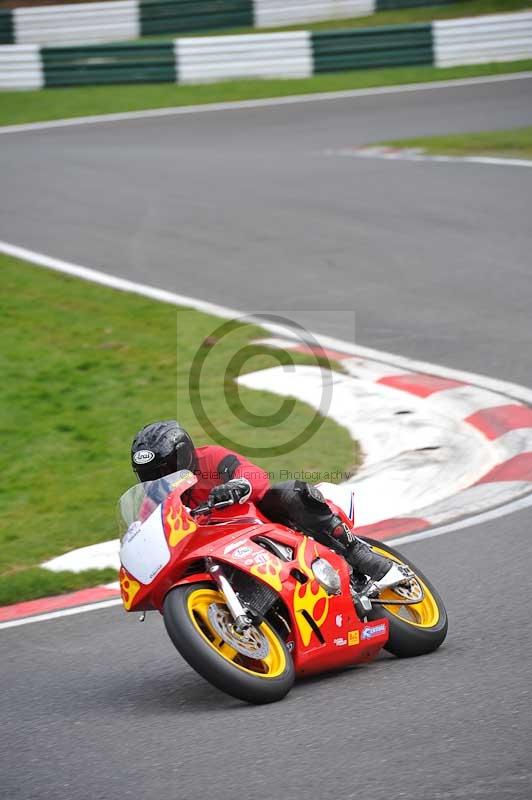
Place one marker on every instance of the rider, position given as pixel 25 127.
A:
pixel 162 448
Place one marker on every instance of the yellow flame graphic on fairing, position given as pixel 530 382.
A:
pixel 180 525
pixel 128 589
pixel 269 571
pixel 309 596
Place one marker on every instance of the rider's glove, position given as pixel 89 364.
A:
pixel 237 490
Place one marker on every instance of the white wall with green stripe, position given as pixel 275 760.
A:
pixel 476 40
pixel 120 20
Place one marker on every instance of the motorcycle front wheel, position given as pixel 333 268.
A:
pixel 254 666
pixel 417 629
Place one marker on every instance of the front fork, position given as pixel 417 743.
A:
pixel 238 611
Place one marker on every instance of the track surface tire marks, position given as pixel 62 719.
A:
pixel 438 258
pixel 105 721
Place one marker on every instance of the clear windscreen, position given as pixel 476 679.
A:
pixel 142 499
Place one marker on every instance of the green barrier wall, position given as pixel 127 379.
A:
pixel 389 46
pixel 7 34
pixel 97 64
pixel 181 16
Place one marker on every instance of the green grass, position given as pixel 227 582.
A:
pixel 83 368
pixel 49 104
pixel 516 143
pixel 401 16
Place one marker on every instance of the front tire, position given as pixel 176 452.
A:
pixel 195 615
pixel 415 630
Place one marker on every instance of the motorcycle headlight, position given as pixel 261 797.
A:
pixel 326 576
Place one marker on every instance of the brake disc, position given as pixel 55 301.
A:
pixel 251 642
pixel 410 591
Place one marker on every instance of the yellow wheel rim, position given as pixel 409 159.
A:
pixel 271 666
pixel 422 615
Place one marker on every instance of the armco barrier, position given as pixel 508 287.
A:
pixel 274 13
pixel 181 16
pixel 83 23
pixel 20 66
pixel 477 40
pixel 372 47
pixel 267 55
pixel 283 55
pixel 100 64
pixel 7 35
pixel 119 20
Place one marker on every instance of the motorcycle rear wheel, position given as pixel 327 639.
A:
pixel 415 630
pixel 189 624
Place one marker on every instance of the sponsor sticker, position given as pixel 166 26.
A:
pixel 143 456
pixel 376 630
pixel 339 620
pixel 340 641
pixel 131 532
pixel 261 559
pixel 353 637
pixel 233 546
pixel 242 552
pixel 155 571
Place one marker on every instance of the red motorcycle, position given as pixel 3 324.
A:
pixel 251 605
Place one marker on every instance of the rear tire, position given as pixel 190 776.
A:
pixel 426 628
pixel 189 628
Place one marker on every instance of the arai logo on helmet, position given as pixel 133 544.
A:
pixel 143 456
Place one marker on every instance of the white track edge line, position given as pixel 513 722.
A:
pixel 65 612
pixel 467 522
pixel 264 102
pixel 497 161
pixel 164 296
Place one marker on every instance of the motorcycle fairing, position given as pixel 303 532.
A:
pixel 325 634
pixel 177 523
pixel 144 550
pixel 146 547
pixel 326 631
pixel 187 551
pixel 129 588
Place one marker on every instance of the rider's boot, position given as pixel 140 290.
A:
pixel 303 506
pixel 381 570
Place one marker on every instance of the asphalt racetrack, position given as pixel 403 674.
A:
pixel 244 208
